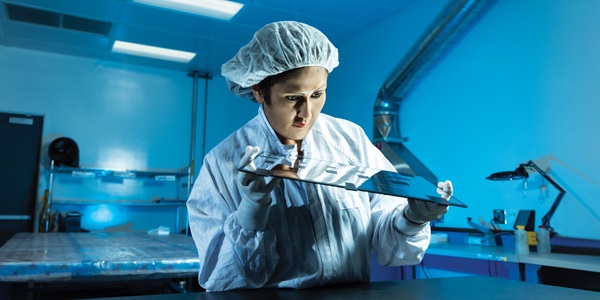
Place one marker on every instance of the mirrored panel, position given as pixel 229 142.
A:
pixel 347 176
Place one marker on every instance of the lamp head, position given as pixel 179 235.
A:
pixel 518 173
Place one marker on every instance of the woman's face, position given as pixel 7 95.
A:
pixel 295 103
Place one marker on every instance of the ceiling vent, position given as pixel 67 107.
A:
pixel 47 18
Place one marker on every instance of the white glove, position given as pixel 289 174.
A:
pixel 254 186
pixel 420 212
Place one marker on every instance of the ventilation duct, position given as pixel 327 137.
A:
pixel 446 30
pixel 51 19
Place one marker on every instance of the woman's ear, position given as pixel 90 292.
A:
pixel 258 95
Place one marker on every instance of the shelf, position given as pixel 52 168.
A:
pixel 161 202
pixel 159 175
pixel 92 180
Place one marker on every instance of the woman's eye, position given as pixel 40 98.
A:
pixel 292 98
pixel 317 95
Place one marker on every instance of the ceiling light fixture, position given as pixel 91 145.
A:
pixel 152 52
pixel 220 9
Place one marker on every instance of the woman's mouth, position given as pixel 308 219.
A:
pixel 300 125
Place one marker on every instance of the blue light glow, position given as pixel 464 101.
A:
pixel 103 214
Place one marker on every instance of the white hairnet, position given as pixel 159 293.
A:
pixel 274 49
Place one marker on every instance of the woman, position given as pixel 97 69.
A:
pixel 287 233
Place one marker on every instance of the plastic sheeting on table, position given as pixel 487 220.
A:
pixel 42 257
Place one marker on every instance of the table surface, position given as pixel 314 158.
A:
pixel 43 257
pixel 440 288
pixel 561 260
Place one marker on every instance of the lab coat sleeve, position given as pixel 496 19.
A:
pixel 230 257
pixel 396 245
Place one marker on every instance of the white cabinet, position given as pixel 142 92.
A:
pixel 119 200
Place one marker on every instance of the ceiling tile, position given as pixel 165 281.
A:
pixel 257 17
pixel 334 11
pixel 220 49
pixel 371 17
pixel 233 33
pixel 397 4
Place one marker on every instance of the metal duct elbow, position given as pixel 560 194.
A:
pixel 445 31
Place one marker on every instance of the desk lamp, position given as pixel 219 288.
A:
pixel 521 173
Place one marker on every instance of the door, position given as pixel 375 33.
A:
pixel 20 144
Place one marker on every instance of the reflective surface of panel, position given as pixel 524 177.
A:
pixel 347 176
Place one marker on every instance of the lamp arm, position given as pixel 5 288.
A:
pixel 546 218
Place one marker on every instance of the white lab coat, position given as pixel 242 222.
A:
pixel 315 234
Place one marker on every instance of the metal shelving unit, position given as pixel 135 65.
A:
pixel 177 176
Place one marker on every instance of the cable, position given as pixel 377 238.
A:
pixel 423 269
pixel 427 276
pixel 493 225
pixel 496 267
pixel 495 235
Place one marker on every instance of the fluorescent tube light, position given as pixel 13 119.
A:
pixel 220 9
pixel 152 52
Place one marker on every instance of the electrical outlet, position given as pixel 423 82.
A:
pixel 499 216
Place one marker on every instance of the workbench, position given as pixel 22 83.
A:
pixel 46 257
pixel 502 261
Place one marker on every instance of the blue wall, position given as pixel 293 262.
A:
pixel 120 116
pixel 521 85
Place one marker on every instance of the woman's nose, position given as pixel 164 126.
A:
pixel 304 110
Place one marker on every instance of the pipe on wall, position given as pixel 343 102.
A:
pixel 195 76
pixel 191 168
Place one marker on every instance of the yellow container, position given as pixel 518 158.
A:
pixel 531 238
